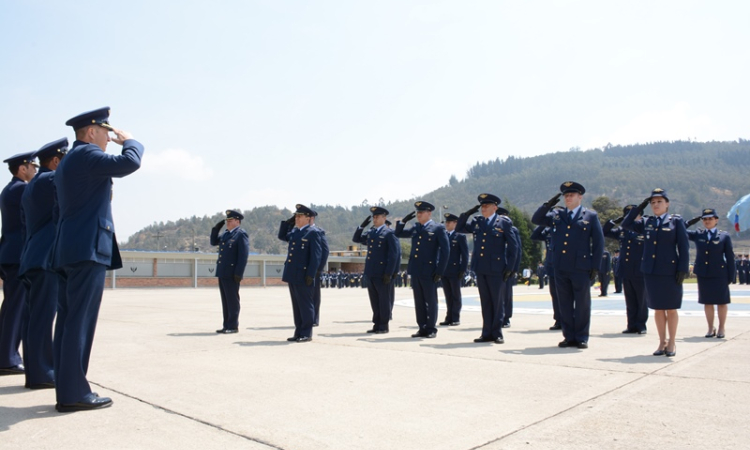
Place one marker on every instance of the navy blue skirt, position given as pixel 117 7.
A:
pixel 713 291
pixel 664 292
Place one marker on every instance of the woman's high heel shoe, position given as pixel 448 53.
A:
pixel 661 351
pixel 711 334
pixel 667 353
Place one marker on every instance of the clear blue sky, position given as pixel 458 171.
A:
pixel 249 103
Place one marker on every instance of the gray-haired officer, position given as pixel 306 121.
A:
pixel 304 254
pixel 458 261
pixel 85 248
pixel 38 202
pixel 381 263
pixel 427 262
pixel 629 269
pixel 578 245
pixel 23 169
pixel 234 247
pixel 493 261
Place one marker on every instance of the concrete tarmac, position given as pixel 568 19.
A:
pixel 176 384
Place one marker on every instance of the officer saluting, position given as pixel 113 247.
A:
pixel 578 244
pixel 38 202
pixel 23 168
pixel 493 261
pixel 234 246
pixel 427 262
pixel 381 263
pixel 458 261
pixel 304 254
pixel 85 247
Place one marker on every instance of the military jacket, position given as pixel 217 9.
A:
pixel 714 258
pixel 234 247
pixel 665 248
pixel 495 247
pixel 631 250
pixel 304 253
pixel 429 248
pixel 383 250
pixel 577 244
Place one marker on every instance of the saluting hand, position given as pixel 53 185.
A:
pixel 220 224
pixel 693 221
pixel 408 217
pixel 290 221
pixel 644 204
pixel 366 222
pixel 553 201
pixel 472 210
pixel 120 136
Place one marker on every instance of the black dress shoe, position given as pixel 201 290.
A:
pixel 565 343
pixel 304 339
pixel 372 331
pixel 711 334
pixel 641 332
pixel 720 336
pixel 629 331
pixel 315 324
pixel 454 324
pixel 90 402
pixel 483 339
pixel 582 345
pixel 381 332
pixel 445 323
pixel 418 335
pixel 40 386
pixel 221 331
pixel 556 326
pixel 506 325
pixel 499 341
pixel 660 352
pixel 228 331
pixel 292 339
pixel 430 335
pixel 15 370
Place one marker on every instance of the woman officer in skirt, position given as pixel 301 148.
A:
pixel 664 265
pixel 714 266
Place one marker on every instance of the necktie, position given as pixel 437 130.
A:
pixel 570 216
pixel 658 222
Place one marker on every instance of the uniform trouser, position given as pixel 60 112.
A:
pixel 452 291
pixel 230 303
pixel 508 302
pixel 380 302
pixel 541 281
pixel 636 306
pixel 41 301
pixel 316 303
pixel 574 299
pixel 491 297
pixel 618 284
pixel 12 316
pixel 425 303
pixel 303 308
pixel 81 286
pixel 603 282
pixel 555 303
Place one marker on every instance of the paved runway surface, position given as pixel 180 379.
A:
pixel 178 385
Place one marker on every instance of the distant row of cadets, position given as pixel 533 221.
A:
pixel 649 267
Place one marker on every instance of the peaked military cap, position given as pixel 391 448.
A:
pixel 627 209
pixel 488 198
pixel 304 210
pixel 95 117
pixel 659 192
pixel 450 217
pixel 424 206
pixel 377 210
pixel 709 212
pixel 232 214
pixel 21 158
pixel 502 211
pixel 572 186
pixel 54 148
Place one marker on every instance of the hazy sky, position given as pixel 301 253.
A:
pixel 249 103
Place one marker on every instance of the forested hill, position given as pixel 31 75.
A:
pixel 694 174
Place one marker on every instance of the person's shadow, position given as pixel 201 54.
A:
pixel 10 416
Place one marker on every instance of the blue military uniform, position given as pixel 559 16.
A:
pixel 85 247
pixel 542 233
pixel 382 263
pixel 629 269
pixel 325 251
pixel 427 262
pixel 714 263
pixel 577 244
pixel 508 308
pixel 12 317
pixel 604 269
pixel 304 254
pixel 234 247
pixel 665 253
pixel 616 271
pixel 493 260
pixel 38 203
pixel 458 261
